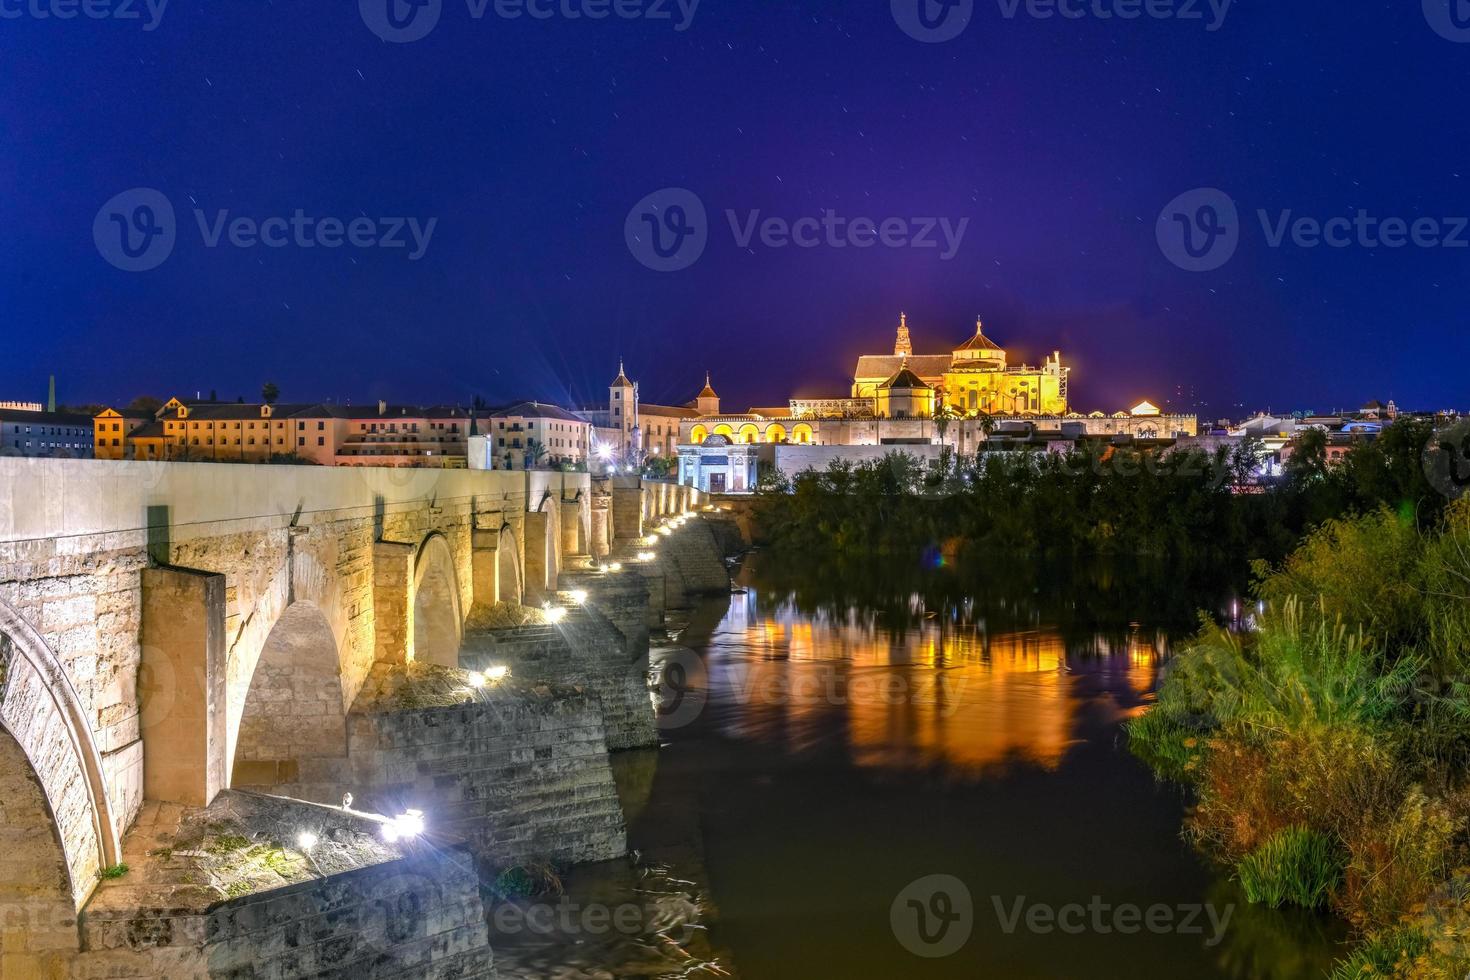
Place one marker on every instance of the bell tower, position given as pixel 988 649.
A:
pixel 904 346
pixel 622 409
pixel 707 403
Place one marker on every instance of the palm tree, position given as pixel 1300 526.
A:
pixel 535 454
pixel 944 414
pixel 987 423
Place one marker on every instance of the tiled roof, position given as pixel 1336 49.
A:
pixel 535 410
pixel 904 378
pixel 668 411
pixel 887 365
pixel 44 418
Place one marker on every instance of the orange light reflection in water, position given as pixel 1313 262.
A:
pixel 933 694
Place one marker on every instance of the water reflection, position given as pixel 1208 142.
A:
pixel 849 730
pixel 916 686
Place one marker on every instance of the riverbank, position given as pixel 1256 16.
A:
pixel 848 744
pixel 1327 742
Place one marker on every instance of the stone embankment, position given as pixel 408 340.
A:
pixel 517 768
pixel 234 890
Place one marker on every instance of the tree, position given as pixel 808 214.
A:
pixel 944 414
pixel 145 403
pixel 535 454
pixel 1308 460
pixel 269 392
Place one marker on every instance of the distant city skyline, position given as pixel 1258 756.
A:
pixel 497 167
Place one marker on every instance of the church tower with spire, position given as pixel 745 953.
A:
pixel 904 346
pixel 622 410
pixel 707 402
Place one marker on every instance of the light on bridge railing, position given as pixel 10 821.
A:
pixel 404 826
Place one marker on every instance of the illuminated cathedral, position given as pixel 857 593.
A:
pixel 973 378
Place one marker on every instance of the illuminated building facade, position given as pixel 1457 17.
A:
pixel 973 378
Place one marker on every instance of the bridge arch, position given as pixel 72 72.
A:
pixel 38 934
pixel 438 622
pixel 292 738
pixel 48 744
pixel 509 587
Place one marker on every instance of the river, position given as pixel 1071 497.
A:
pixel 919 774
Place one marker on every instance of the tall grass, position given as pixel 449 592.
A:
pixel 1329 744
pixel 1295 866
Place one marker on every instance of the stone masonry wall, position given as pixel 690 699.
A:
pixel 584 649
pixel 75 535
pixel 693 562
pixel 417 917
pixel 521 773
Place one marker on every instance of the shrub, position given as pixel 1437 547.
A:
pixel 1295 866
pixel 1388 954
pixel 1399 856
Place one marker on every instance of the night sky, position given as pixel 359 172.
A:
pixel 1061 140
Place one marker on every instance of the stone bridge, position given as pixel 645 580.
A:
pixel 170 630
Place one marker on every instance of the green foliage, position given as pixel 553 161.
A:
pixel 661 467
pixel 1295 866
pixel 1097 499
pixel 113 873
pixel 1328 743
pixel 1383 955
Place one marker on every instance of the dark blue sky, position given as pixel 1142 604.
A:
pixel 1060 140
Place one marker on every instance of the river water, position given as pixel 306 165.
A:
pixel 915 774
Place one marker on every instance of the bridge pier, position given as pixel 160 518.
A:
pixel 393 573
pixel 181 686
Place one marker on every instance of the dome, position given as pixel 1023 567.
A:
pixel 979 345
